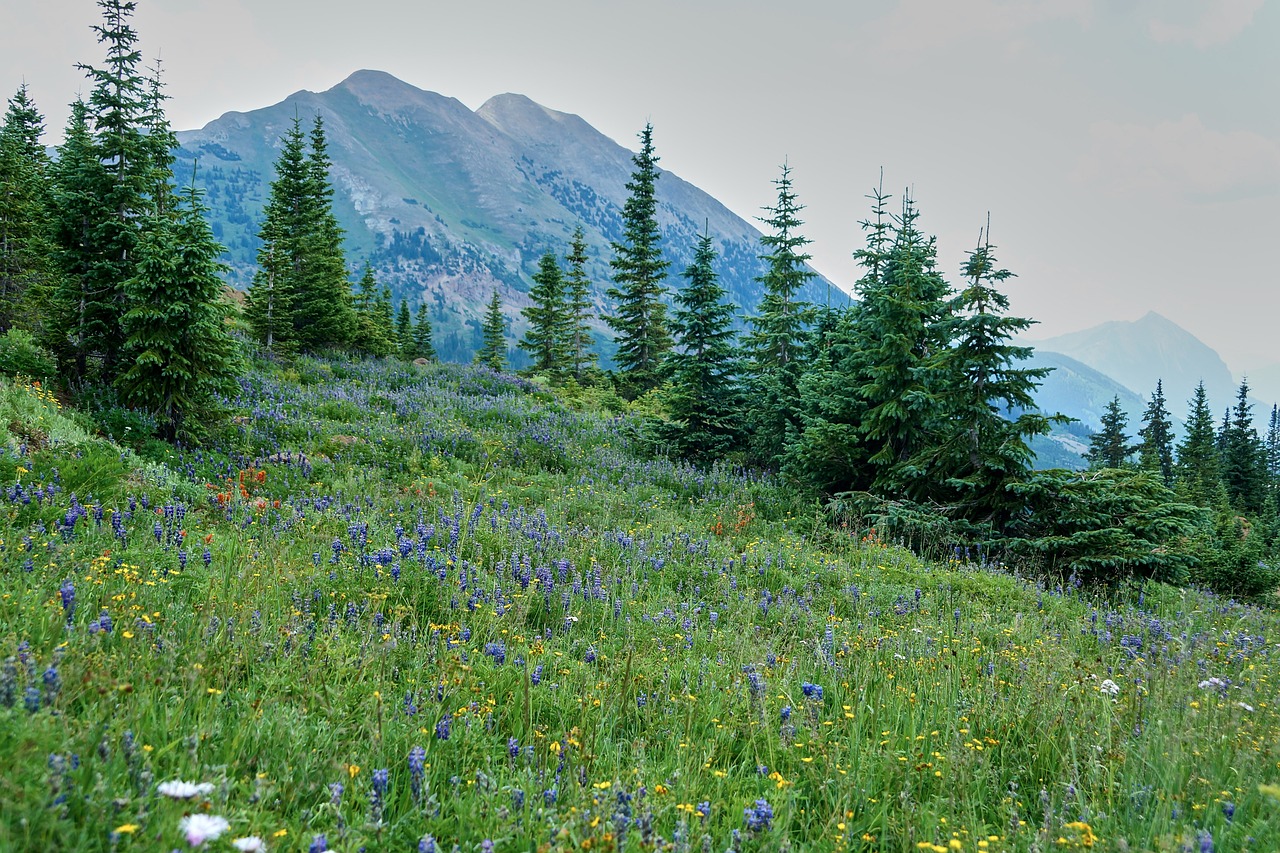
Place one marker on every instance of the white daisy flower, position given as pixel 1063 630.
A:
pixel 249 844
pixel 200 828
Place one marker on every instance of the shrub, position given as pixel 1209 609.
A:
pixel 20 354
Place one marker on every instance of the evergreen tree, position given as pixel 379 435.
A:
pixel 160 142
pixel 385 320
pixel 777 341
pixel 404 332
pixel 1273 451
pixel 900 325
pixel 118 112
pixel 181 354
pixel 27 271
pixel 549 335
pixel 638 270
pixel 271 303
pixel 1109 447
pixel 987 404
pixel 324 316
pixel 370 336
pixel 1243 457
pixel 577 294
pixel 703 402
pixel 423 343
pixel 1155 451
pixel 493 351
pixel 1198 466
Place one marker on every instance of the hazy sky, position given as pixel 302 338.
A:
pixel 1127 150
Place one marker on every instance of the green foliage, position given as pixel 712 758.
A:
pixel 640 318
pixel 22 355
pixel 776 343
pixel 404 331
pixel 702 398
pixel 181 355
pixel 1103 526
pixel 1233 559
pixel 493 350
pixel 1155 451
pixel 28 273
pixel 1243 457
pixel 1109 447
pixel 550 335
pixel 372 333
pixel 577 292
pixel 1199 468
pixel 424 346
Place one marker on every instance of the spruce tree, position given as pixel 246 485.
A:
pixel 703 402
pixel 1110 447
pixel 1273 451
pixel 639 269
pixel 493 350
pixel 181 355
pixel 28 273
pixel 324 317
pixel 271 305
pixel 986 403
pixel 423 340
pixel 549 335
pixel 118 111
pixel 404 332
pixel 1155 451
pixel 1199 468
pixel 777 342
pixel 370 336
pixel 1243 457
pixel 577 287
pixel 384 318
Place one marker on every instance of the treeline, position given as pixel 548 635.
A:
pixel 109 276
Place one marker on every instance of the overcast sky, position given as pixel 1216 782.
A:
pixel 1127 150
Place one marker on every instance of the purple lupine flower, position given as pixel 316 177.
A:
pixel 811 691
pixel 68 594
pixel 513 747
pixel 590 655
pixel 417 769
pixel 536 676
pixel 443 727
pixel 785 713
pixel 319 844
pixel 497 651
pixel 759 817
pixel 428 845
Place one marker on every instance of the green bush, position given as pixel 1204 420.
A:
pixel 20 354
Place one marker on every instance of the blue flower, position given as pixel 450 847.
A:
pixel 758 817
pixel 811 691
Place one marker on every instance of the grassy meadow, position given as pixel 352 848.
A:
pixel 402 608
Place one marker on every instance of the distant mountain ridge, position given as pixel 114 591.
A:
pixel 1138 353
pixel 447 203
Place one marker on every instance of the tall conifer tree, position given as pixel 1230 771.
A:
pixel 549 335
pixel 493 350
pixel 404 332
pixel 1155 451
pixel 27 270
pixel 272 301
pixel 577 288
pixel 1243 457
pixel 324 316
pixel 370 336
pixel 777 342
pixel 1109 447
pixel 423 339
pixel 703 401
pixel 639 269
pixel 1199 467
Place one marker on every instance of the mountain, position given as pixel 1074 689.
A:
pixel 1138 353
pixel 447 203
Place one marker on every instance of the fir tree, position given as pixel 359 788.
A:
pixel 549 335
pixel 1155 451
pixel 324 316
pixel 404 332
pixel 493 350
pixel 271 303
pixel 181 355
pixel 987 403
pixel 702 399
pixel 577 287
pixel 777 341
pixel 27 271
pixel 118 112
pixel 1243 459
pixel 384 318
pixel 370 336
pixel 423 340
pixel 1198 468
pixel 639 270
pixel 1273 450
pixel 1109 447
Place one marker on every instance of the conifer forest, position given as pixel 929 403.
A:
pixel 790 576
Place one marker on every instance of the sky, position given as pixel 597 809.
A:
pixel 1127 151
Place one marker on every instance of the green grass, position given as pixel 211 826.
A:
pixel 961 706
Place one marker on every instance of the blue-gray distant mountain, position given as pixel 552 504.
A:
pixel 448 203
pixel 1079 391
pixel 1137 354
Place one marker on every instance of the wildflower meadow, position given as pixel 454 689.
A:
pixel 389 607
